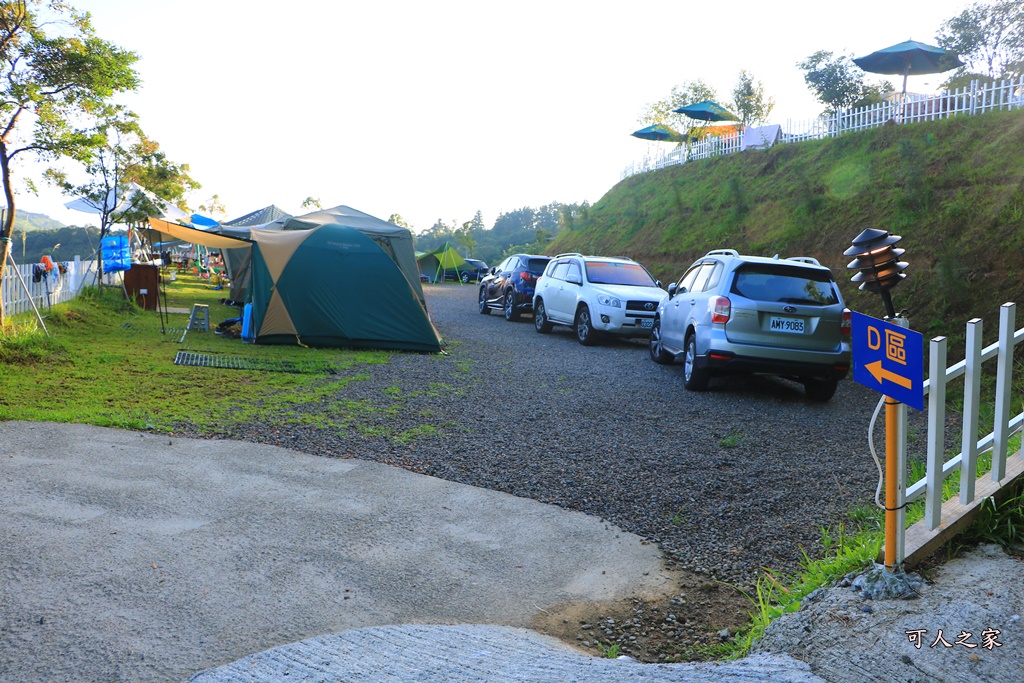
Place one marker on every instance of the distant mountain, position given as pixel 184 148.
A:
pixel 28 221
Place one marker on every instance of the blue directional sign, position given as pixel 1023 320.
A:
pixel 888 359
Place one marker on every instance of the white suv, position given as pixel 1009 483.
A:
pixel 596 295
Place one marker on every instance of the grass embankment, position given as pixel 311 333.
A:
pixel 953 189
pixel 109 363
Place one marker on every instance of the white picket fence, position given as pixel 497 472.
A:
pixel 54 288
pixel 975 99
pixel 1004 469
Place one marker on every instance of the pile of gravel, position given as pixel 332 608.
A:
pixel 727 482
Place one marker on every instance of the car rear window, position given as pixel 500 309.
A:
pixel 537 265
pixel 785 284
pixel 606 273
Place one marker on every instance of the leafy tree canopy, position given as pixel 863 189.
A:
pixel 396 219
pixel 121 158
pixel 514 231
pixel 53 70
pixel 663 111
pixel 749 100
pixel 989 37
pixel 838 83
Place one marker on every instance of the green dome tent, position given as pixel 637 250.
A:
pixel 333 286
pixel 394 240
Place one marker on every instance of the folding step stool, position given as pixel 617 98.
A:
pixel 200 319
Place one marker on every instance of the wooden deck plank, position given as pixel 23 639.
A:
pixel 922 542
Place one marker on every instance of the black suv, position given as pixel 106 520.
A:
pixel 509 287
pixel 474 271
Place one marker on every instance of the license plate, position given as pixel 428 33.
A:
pixel 790 325
pixel 645 323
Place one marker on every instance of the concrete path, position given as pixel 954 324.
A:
pixel 135 557
pixel 478 654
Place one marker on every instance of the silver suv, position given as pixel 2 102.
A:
pixel 730 313
pixel 596 295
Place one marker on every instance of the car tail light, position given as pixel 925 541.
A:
pixel 527 276
pixel 720 308
pixel 847 324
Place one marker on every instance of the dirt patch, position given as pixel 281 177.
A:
pixel 681 627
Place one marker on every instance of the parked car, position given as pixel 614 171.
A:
pixel 747 314
pixel 474 271
pixel 509 286
pixel 597 295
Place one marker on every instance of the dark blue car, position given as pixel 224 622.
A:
pixel 509 287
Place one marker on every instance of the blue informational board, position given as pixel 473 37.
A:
pixel 888 359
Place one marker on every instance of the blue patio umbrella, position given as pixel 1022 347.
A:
pixel 659 133
pixel 910 57
pixel 707 111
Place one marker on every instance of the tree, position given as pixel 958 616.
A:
pixel 663 111
pixel 750 101
pixel 989 38
pixel 396 219
pixel 464 236
pixel 114 168
pixel 213 207
pixel 124 156
pixel 311 203
pixel 167 180
pixel 514 221
pixel 838 83
pixel 53 70
pixel 835 81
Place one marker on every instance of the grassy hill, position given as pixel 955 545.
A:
pixel 953 189
pixel 28 221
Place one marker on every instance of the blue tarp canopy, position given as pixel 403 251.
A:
pixel 203 222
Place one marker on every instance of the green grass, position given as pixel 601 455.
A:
pixel 776 595
pixel 845 551
pixel 953 189
pixel 109 363
pixel 731 440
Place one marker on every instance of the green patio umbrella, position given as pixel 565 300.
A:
pixel 910 57
pixel 707 111
pixel 659 133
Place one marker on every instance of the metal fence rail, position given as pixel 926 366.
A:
pixel 975 99
pixel 44 290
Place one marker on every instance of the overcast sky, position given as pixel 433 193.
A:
pixel 439 109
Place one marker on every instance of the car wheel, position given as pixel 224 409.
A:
pixel 540 318
pixel 484 308
pixel 695 379
pixel 658 353
pixel 465 278
pixel 821 389
pixel 511 314
pixel 584 327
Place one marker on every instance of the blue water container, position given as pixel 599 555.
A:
pixel 247 334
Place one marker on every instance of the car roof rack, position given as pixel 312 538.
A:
pixel 723 252
pixel 571 253
pixel 804 259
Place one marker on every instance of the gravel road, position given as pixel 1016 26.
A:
pixel 726 482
